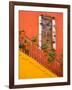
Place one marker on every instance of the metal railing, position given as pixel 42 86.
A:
pixel 40 57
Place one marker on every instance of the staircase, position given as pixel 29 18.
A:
pixel 30 68
pixel 37 54
pixel 41 58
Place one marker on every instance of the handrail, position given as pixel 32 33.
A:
pixel 38 46
pixel 39 56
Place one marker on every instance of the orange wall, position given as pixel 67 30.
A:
pixel 28 21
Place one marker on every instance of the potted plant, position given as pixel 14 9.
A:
pixel 34 40
pixel 51 56
pixel 45 48
pixel 61 62
pixel 26 44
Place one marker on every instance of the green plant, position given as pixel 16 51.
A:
pixel 26 41
pixel 44 46
pixel 21 46
pixel 50 59
pixel 34 39
pixel 61 62
pixel 51 56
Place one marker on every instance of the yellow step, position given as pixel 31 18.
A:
pixel 30 68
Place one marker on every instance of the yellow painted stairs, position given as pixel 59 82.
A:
pixel 30 68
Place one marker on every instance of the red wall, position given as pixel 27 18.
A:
pixel 28 21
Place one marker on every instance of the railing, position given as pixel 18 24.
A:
pixel 37 54
pixel 40 57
